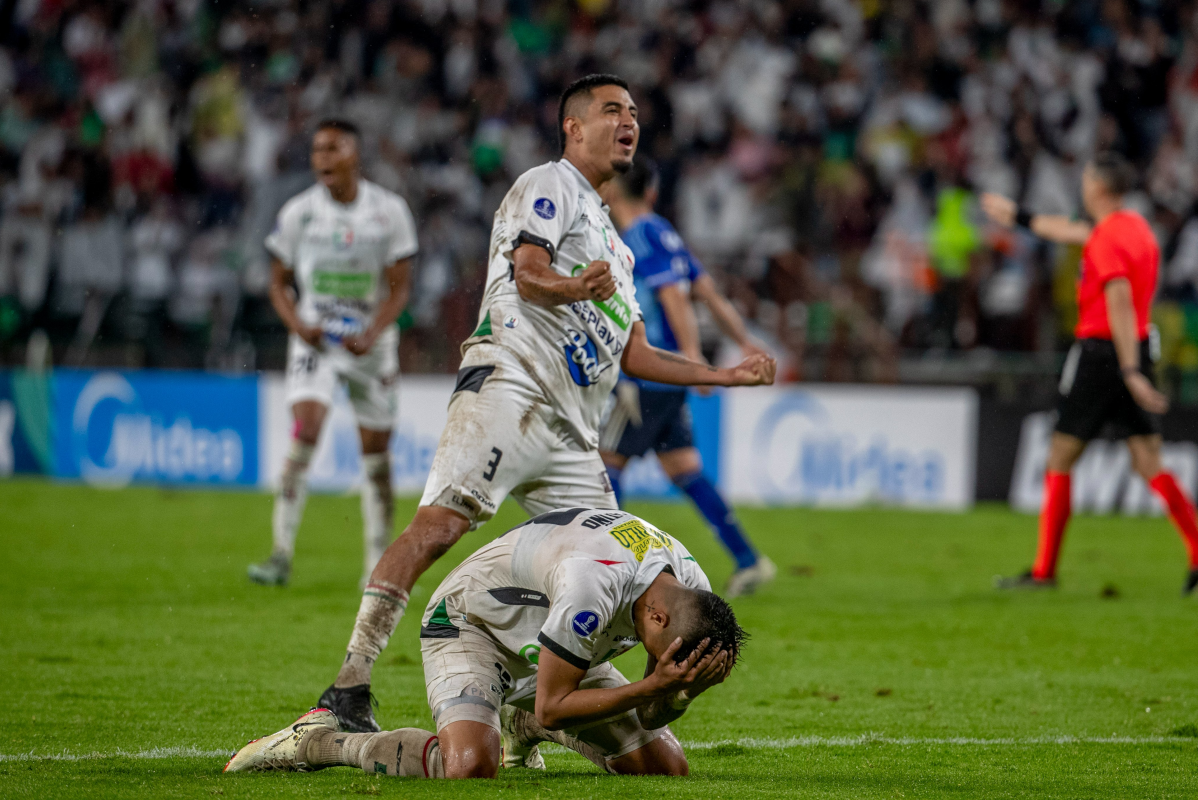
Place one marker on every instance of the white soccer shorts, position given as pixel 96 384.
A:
pixel 372 380
pixel 502 438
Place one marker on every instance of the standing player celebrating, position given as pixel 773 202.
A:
pixel 558 321
pixel 340 241
pixel 652 416
pixel 1108 375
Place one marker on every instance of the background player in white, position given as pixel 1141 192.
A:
pixel 529 625
pixel 558 321
pixel 348 246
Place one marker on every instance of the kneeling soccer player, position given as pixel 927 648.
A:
pixel 517 641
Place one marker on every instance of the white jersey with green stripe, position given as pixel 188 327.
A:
pixel 339 252
pixel 572 351
pixel 565 581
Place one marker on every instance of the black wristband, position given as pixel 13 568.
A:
pixel 1023 218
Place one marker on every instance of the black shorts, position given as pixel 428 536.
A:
pixel 1093 399
pixel 665 425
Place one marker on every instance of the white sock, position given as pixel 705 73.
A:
pixel 291 498
pixel 377 508
pixel 407 752
pixel 381 610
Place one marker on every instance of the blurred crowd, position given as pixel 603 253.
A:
pixel 823 157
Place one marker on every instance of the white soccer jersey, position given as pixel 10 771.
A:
pixel 571 351
pixel 339 252
pixel 565 581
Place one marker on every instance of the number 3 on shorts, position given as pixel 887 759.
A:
pixel 494 465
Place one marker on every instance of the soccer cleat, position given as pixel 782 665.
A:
pixel 282 751
pixel 1191 582
pixel 353 707
pixel 519 743
pixel 1024 581
pixel 275 571
pixel 746 581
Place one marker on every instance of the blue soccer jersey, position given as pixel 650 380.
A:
pixel 661 260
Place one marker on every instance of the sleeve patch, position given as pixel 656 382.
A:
pixel 585 623
pixel 544 208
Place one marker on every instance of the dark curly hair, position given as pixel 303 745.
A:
pixel 710 617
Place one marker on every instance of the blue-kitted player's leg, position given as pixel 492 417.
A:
pixel 681 461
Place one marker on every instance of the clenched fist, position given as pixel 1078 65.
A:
pixel 756 370
pixel 597 282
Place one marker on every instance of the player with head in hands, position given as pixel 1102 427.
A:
pixel 519 639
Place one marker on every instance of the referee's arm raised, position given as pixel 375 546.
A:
pixel 1053 227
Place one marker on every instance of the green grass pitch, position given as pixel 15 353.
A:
pixel 882 664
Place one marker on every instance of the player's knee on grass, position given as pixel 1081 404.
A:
pixel 470 750
pixel 662 756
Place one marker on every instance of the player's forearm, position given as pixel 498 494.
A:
pixel 397 300
pixel 642 360
pixel 658 713
pixel 592 705
pixel 1121 316
pixel 726 317
pixel 283 302
pixel 537 282
pixel 681 316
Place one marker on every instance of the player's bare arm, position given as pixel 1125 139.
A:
pixel 643 360
pixel 398 277
pixel 727 318
pixel 1053 227
pixel 1122 317
pixel 282 297
pixel 561 704
pixel 538 283
pixel 681 316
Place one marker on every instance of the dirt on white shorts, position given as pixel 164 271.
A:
pixel 469 677
pixel 502 438
pixel 372 380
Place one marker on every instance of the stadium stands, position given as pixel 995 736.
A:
pixel 823 156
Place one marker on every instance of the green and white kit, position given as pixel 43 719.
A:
pixel 339 253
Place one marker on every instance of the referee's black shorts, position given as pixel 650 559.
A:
pixel 1093 400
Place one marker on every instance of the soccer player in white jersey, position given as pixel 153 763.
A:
pixel 348 246
pixel 517 645
pixel 558 322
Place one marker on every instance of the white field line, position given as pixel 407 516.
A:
pixel 747 743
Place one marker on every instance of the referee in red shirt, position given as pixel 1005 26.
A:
pixel 1108 375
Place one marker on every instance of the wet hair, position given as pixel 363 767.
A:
pixel 342 125
pixel 582 88
pixel 639 179
pixel 706 615
pixel 1116 172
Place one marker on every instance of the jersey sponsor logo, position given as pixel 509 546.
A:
pixel 531 653
pixel 641 538
pixel 544 208
pixel 585 623
pixel 615 307
pixel 599 520
pixel 343 284
pixel 582 357
pixel 336 329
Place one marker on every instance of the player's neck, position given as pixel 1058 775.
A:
pixel 1104 208
pixel 344 193
pixel 595 176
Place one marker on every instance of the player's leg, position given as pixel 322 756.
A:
pixel 1146 460
pixel 662 756
pixel 292 495
pixel 482 453
pixel 373 384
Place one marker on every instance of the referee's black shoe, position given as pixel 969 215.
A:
pixel 1024 581
pixel 1191 582
pixel 354 707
